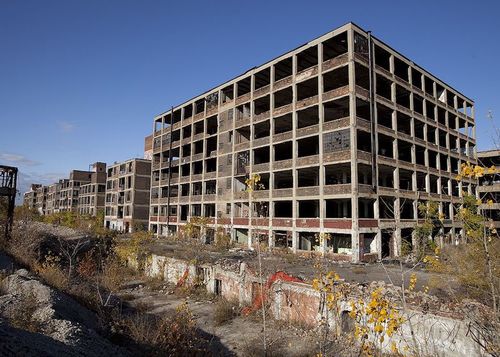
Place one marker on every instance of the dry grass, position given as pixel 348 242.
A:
pixel 22 314
pixel 225 311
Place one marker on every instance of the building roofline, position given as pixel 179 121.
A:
pixel 347 25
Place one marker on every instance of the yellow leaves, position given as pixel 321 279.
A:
pixel 474 171
pixel 489 203
pixel 394 348
pixel 492 170
pixel 413 280
pixel 252 183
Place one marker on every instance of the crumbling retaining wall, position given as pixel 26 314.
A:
pixel 299 303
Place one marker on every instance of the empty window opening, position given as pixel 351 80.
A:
pixel 432 159
pixel 261 209
pixel 362 76
pixel 454 165
pixel 197 167
pixel 308 209
pixel 283 209
pixel 386 207
pixel 199 106
pixel 340 244
pixel 335 46
pixel 406 210
pixel 336 79
pixel 243 86
pixel 242 135
pixel 212 125
pixel 227 94
pixel 365 207
pixel 307 58
pixel 262 105
pixel 212 100
pixel 262 130
pixel 340 208
pixel 283 97
pixel 185 170
pixel 209 210
pixel 429 110
pixel 186 151
pixel 188 111
pixel 283 179
pixel 211 165
pixel 401 69
pixel 308 117
pixel 360 44
pixel 263 78
pixel 364 174
pixel 384 115
pixel 307 88
pixel 186 132
pixel 442 138
pixel 177 115
pixel 385 146
pixel 405 180
pixel 440 93
pixel 441 115
pixel 434 184
pixel 384 87
pixel 339 174
pixel 416 78
pixel 402 96
pixel 386 176
pixel 283 69
pixel 184 212
pixel 419 155
pixel 364 141
pixel 363 109
pixel 382 58
pixel 283 239
pixel 239 184
pixel 418 104
pixel 261 155
pixel 243 111
pixel 404 123
pixel 283 151
pixel 199 127
pixel 419 129
pixel 308 177
pixel 443 162
pixel 210 187
pixel 308 241
pixel 197 189
pixel 283 124
pixel 198 147
pixel 429 86
pixel 421 185
pixel 336 140
pixel 431 134
pixel 308 146
pixel 336 109
pixel 176 135
pixel 404 150
pixel 211 146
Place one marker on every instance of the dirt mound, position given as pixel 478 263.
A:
pixel 38 320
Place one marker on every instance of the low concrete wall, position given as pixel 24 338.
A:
pixel 298 302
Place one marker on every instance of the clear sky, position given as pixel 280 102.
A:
pixel 80 81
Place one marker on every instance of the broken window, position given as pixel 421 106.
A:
pixel 199 106
pixel 360 44
pixel 227 94
pixel 386 207
pixel 337 140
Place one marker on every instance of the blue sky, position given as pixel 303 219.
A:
pixel 80 81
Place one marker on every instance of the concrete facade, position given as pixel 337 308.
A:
pixel 127 195
pixel 29 198
pixel 489 186
pixel 347 135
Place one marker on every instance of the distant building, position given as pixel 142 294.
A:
pixel 30 196
pixel 148 147
pixel 127 195
pixel 489 186
pixel 41 199
pixel 92 194
pixel 53 195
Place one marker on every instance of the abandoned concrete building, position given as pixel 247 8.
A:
pixel 347 135
pixel 92 194
pixel 29 197
pixel 127 195
pixel 489 186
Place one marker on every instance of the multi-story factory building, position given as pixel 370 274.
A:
pixel 489 186
pixel 347 135
pixel 70 189
pixel 53 195
pixel 127 195
pixel 29 198
pixel 41 199
pixel 92 195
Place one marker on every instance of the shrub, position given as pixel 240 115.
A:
pixel 22 314
pixel 225 311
